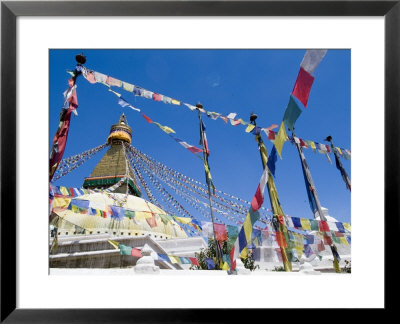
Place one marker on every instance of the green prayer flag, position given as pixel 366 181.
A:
pixel 125 250
pixel 292 112
pixel 129 213
pixel 314 225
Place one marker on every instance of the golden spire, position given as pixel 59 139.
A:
pixel 120 131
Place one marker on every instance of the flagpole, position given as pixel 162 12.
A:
pixel 277 224
pixel 339 164
pixel 217 251
pixel 313 191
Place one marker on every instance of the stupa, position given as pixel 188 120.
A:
pixel 83 237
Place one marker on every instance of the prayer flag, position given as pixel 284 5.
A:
pixel 347 226
pixel 323 226
pixel 305 223
pixel 115 244
pixel 280 139
pixel 340 227
pixel 157 97
pixel 311 59
pixel 122 102
pixel 163 257
pixel 151 221
pixel 117 212
pixel 191 148
pixel 314 225
pixel 194 261
pixel 113 82
pixel 343 241
pixel 174 259
pixel 147 118
pixel 220 232
pixel 165 128
pixel 292 113
pixel 303 85
pixel 210 264
pixel 296 222
pixel 258 198
pixel 136 253
pixel 249 128
pixel 272 160
pixel 127 86
pixel 175 102
pixel 124 249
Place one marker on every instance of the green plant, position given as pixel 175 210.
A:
pixel 280 268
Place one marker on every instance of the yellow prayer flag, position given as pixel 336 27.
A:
pixel 175 102
pixel 165 128
pixel 115 244
pixel 312 144
pixel 61 202
pixel 248 228
pixel 243 254
pixel 243 122
pixel 299 251
pixel 127 86
pixel 173 259
pixel 347 226
pixel 339 150
pixel 305 223
pixel 343 241
pixel 184 220
pixel 250 128
pixel 280 139
pixel 64 191
pixel 225 266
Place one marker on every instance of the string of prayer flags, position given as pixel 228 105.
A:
pixel 292 113
pixel 61 136
pixel 191 148
pixel 244 237
pixel 280 139
pixel 169 130
pixel 343 172
pixel 125 250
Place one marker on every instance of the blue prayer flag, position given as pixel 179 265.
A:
pixel 117 212
pixel 210 264
pixel 272 160
pixel 296 222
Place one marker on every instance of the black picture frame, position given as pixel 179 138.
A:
pixel 10 10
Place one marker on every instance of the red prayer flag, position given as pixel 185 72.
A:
pixel 157 97
pixel 147 118
pixel 327 240
pixel 220 232
pixel 303 85
pixel 280 239
pixel 194 261
pixel 323 226
pixel 151 221
pixel 302 143
pixel 271 135
pixel 136 253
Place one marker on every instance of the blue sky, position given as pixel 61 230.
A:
pixel 224 81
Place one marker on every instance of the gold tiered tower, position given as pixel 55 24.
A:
pixel 114 166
